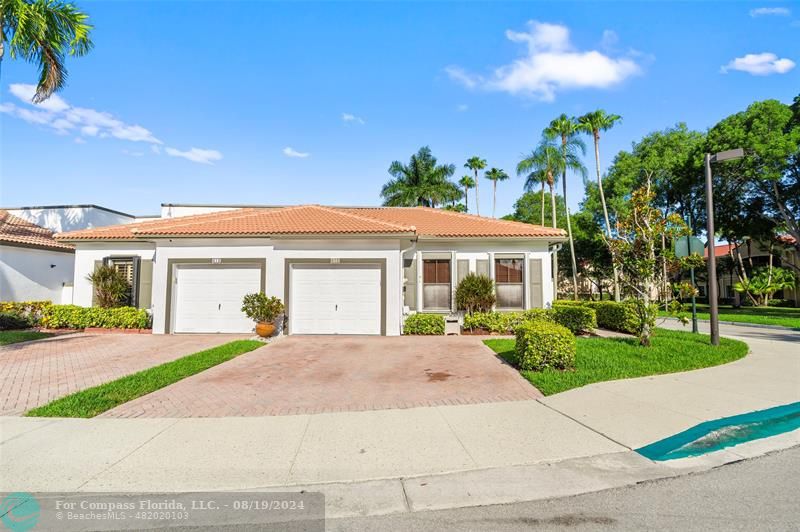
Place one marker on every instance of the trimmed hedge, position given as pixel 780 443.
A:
pixel 74 317
pixel 30 311
pixel 576 318
pixel 11 322
pixel 615 316
pixel 426 324
pixel 544 345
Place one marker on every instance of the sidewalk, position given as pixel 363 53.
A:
pixel 435 457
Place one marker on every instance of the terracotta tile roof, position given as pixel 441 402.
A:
pixel 15 230
pixel 720 250
pixel 318 220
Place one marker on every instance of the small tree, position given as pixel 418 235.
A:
pixel 475 293
pixel 111 288
pixel 260 308
pixel 764 282
pixel 639 257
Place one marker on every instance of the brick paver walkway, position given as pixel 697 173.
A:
pixel 303 375
pixel 35 373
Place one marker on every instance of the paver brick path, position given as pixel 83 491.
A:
pixel 35 373
pixel 316 374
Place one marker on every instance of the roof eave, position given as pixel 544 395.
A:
pixel 496 237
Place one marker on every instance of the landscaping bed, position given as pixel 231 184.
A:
pixel 605 359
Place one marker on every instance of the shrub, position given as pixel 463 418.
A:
pixel 31 311
pixel 424 324
pixel 576 318
pixel 615 316
pixel 538 314
pixel 109 285
pixel 543 345
pixel 74 317
pixel 504 322
pixel 260 308
pixel 475 293
pixel 10 322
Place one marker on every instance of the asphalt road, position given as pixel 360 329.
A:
pixel 762 494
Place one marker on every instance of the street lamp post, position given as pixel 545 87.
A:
pixel 713 304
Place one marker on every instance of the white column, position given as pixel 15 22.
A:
pixel 527 280
pixel 491 273
pixel 418 285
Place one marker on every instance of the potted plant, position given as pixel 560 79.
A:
pixel 263 310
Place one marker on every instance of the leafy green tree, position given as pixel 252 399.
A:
pixel 566 129
pixel 494 175
pixel 593 123
pixel 421 182
pixel 467 182
pixel 765 282
pixel 527 207
pixel 44 32
pixel 476 164
pixel 541 166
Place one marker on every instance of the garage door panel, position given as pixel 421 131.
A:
pixel 209 299
pixel 335 300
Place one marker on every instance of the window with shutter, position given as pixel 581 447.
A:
pixel 436 284
pixel 508 278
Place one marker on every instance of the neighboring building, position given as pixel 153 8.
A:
pixel 754 254
pixel 338 270
pixel 33 265
pixel 62 218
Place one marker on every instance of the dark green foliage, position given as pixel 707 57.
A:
pixel 421 182
pixel 576 318
pixel 475 293
pixel 93 401
pixel 541 345
pixel 260 308
pixel 28 310
pixel 425 324
pixel 74 317
pixel 10 322
pixel 621 317
pixel 109 285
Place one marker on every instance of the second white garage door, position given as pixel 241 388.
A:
pixel 208 299
pixel 335 299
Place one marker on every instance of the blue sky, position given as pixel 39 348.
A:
pixel 257 102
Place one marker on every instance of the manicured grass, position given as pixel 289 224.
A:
pixel 605 359
pixel 785 317
pixel 96 400
pixel 12 337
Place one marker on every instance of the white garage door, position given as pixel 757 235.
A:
pixel 208 299
pixel 331 299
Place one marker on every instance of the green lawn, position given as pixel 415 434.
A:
pixel 785 317
pixel 605 359
pixel 96 400
pixel 12 337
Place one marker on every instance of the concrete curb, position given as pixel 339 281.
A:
pixel 739 324
pixel 521 483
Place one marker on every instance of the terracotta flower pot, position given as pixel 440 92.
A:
pixel 265 330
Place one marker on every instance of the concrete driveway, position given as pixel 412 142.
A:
pixel 317 374
pixel 35 373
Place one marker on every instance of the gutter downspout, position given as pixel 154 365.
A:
pixel 402 284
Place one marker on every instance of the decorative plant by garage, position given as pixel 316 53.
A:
pixel 263 310
pixel 109 285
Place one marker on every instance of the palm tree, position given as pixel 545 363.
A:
pixel 467 182
pixel 593 123
pixel 567 129
pixel 494 175
pixel 421 182
pixel 44 32
pixel 476 163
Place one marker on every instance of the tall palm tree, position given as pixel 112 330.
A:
pixel 494 175
pixel 467 182
pixel 567 129
pixel 421 182
pixel 44 32
pixel 593 123
pixel 475 164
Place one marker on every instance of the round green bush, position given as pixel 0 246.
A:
pixel 615 316
pixel 475 293
pixel 576 318
pixel 426 324
pixel 541 345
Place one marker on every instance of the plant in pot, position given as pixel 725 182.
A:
pixel 263 310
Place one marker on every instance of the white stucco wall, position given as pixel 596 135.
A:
pixel 62 219
pixel 87 253
pixel 28 274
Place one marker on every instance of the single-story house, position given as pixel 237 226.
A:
pixel 33 265
pixel 338 270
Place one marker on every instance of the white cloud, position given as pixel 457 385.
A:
pixel 767 11
pixel 462 107
pixel 350 118
pixel 762 64
pixel 291 152
pixel 58 115
pixel 196 155
pixel 550 65
pixel 609 40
